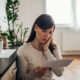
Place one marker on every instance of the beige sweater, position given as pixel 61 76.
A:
pixel 29 58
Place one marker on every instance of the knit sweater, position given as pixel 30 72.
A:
pixel 29 58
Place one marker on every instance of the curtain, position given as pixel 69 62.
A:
pixel 75 15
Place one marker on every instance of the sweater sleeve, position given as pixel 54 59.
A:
pixel 57 55
pixel 22 63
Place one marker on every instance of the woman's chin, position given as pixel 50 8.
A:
pixel 43 42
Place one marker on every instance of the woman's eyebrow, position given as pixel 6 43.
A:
pixel 51 31
pixel 44 29
pixel 47 29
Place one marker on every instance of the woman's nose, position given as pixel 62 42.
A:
pixel 47 35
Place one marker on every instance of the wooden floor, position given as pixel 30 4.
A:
pixel 71 72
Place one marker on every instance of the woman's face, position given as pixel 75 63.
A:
pixel 43 35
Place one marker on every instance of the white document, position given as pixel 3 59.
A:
pixel 6 53
pixel 58 63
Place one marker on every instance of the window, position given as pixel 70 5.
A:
pixel 66 13
pixel 60 10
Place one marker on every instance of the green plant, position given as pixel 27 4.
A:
pixel 11 42
pixel 4 34
pixel 20 32
pixel 11 13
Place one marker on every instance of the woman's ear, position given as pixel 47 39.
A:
pixel 35 27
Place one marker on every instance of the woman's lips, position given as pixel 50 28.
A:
pixel 44 39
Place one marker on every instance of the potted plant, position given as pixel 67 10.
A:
pixel 20 34
pixel 11 12
pixel 4 36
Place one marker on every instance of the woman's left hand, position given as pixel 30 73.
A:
pixel 46 45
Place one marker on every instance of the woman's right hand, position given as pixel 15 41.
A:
pixel 40 71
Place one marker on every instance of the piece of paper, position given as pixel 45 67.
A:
pixel 58 63
pixel 6 53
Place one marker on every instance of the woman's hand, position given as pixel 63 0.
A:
pixel 46 45
pixel 40 71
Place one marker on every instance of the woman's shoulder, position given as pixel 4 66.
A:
pixel 23 48
pixel 25 45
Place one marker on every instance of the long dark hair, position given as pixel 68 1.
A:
pixel 44 21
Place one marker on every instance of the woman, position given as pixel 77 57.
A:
pixel 37 50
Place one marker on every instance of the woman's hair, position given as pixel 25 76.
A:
pixel 44 21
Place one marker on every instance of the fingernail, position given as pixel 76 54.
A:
pixel 46 67
pixel 43 67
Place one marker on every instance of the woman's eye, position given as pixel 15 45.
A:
pixel 50 33
pixel 43 31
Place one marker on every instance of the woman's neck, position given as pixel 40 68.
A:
pixel 36 44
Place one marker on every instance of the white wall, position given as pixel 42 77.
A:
pixel 2 15
pixel 29 10
pixel 58 39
